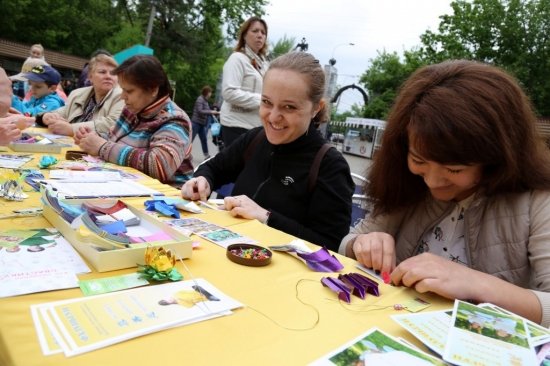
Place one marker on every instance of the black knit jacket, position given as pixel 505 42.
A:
pixel 276 176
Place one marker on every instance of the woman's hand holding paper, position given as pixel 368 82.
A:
pixel 88 140
pixel 431 273
pixel 196 189
pixel 21 121
pixel 375 250
pixel 61 127
pixel 8 131
pixel 51 118
pixel 428 272
pixel 245 207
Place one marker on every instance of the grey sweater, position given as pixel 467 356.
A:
pixel 506 236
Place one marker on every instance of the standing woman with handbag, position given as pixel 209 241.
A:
pixel 200 118
pixel 242 81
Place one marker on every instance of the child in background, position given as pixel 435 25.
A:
pixel 43 80
pixel 36 51
pixel 20 84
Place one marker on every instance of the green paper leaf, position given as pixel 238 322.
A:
pixel 151 274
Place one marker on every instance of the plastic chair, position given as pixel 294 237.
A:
pixel 360 207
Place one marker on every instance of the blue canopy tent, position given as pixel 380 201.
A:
pixel 137 49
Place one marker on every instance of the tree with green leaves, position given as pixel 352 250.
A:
pixel 383 79
pixel 282 46
pixel 187 35
pixel 188 39
pixel 512 34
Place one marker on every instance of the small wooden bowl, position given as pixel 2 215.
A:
pixel 252 262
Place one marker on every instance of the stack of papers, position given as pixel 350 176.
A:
pixel 11 161
pixel 482 334
pixel 95 189
pixel 85 324
pixel 84 175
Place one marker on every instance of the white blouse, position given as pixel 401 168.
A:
pixel 446 238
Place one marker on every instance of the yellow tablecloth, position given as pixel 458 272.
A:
pixel 274 328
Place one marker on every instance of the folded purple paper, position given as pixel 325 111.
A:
pixel 343 291
pixel 321 261
pixel 361 285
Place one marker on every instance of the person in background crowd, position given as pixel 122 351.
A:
pixel 97 106
pixel 68 86
pixel 201 112
pixel 284 175
pixel 37 51
pixel 152 134
pixel 44 81
pixel 461 192
pixel 83 79
pixel 215 128
pixel 242 81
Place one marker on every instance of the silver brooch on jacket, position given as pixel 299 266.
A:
pixel 287 180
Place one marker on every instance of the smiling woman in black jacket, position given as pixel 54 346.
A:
pixel 276 178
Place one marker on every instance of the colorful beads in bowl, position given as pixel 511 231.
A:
pixel 249 254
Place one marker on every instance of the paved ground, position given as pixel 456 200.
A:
pixel 357 164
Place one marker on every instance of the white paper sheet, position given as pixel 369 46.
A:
pixel 26 269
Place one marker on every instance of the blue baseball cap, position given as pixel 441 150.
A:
pixel 43 73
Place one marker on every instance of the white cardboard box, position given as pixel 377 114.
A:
pixel 110 260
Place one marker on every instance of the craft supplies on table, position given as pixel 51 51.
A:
pixel 39 143
pixel 107 251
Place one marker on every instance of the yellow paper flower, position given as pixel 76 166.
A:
pixel 160 259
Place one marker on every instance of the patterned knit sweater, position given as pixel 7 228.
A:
pixel 155 141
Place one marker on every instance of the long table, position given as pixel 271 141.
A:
pixel 289 318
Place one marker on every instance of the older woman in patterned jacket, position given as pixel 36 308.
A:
pixel 152 133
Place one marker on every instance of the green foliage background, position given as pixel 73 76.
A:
pixel 187 34
pixel 188 38
pixel 512 34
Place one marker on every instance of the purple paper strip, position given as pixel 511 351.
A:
pixel 343 291
pixel 321 261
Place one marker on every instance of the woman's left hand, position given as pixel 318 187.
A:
pixel 90 142
pixel 243 206
pixel 431 273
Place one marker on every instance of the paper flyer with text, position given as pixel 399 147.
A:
pixel 482 337
pixel 431 328
pixel 89 323
pixel 37 260
pixel 375 348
